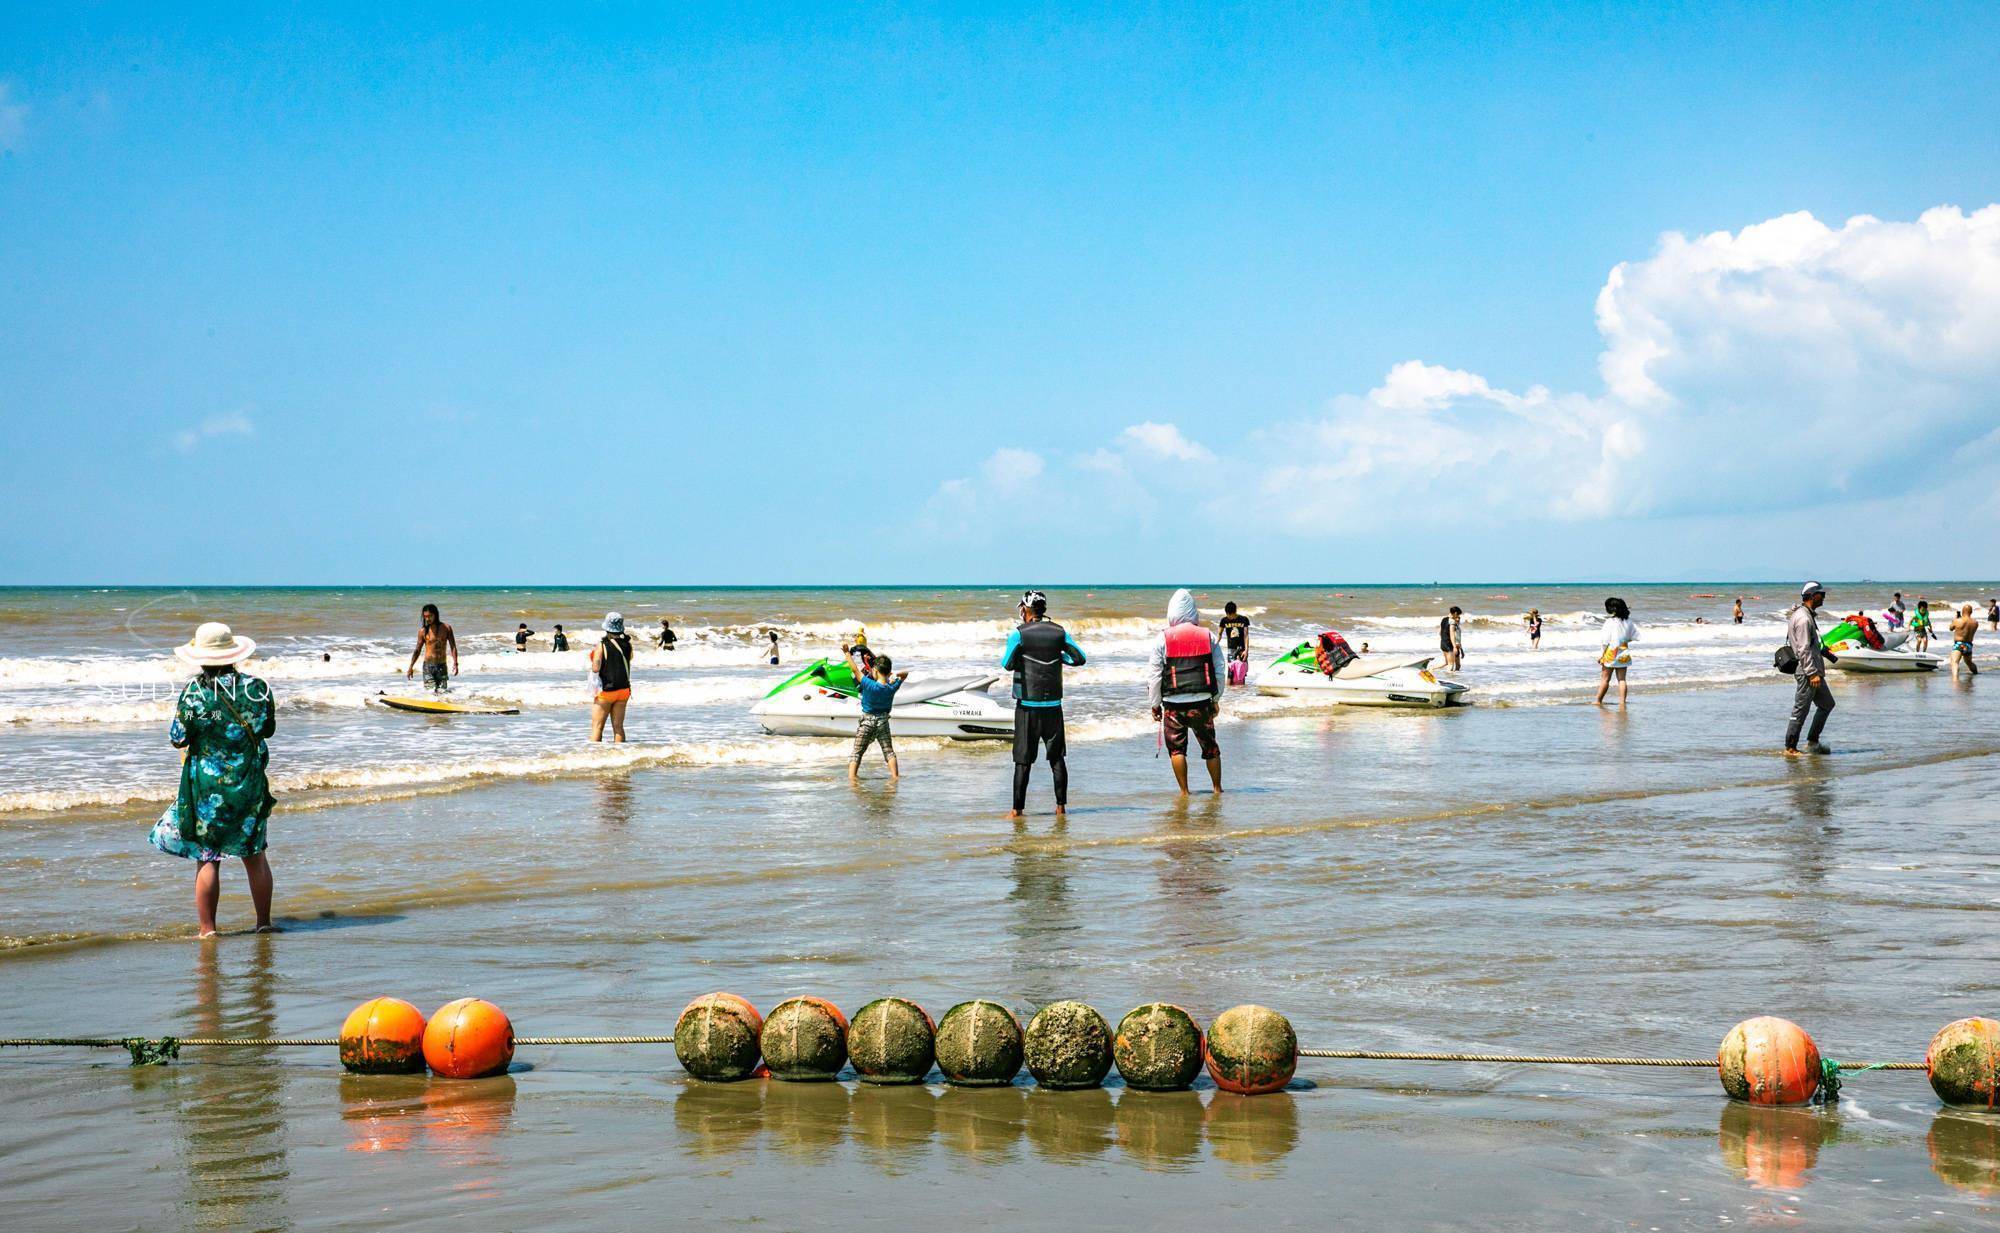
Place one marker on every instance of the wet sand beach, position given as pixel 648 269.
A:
pixel 1553 878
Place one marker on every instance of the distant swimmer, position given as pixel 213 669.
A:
pixel 1236 633
pixel 1963 631
pixel 1920 625
pixel 774 648
pixel 1535 629
pixel 878 698
pixel 1451 639
pixel 1739 610
pixel 1185 672
pixel 1802 636
pixel 1036 652
pixel 1993 612
pixel 611 669
pixel 665 639
pixel 1620 632
pixel 521 636
pixel 434 641
pixel 559 641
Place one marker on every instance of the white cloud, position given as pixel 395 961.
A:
pixel 1786 366
pixel 235 424
pixel 1164 441
pixel 13 120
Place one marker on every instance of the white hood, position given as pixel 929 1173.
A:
pixel 1181 609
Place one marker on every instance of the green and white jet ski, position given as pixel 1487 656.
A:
pixel 822 699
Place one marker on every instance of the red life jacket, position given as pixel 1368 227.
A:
pixel 1333 653
pixel 1190 666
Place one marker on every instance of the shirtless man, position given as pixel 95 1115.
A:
pixel 434 641
pixel 1962 631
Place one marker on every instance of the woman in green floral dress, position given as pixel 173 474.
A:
pixel 221 722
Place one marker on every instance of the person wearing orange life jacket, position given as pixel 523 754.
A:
pixel 1187 671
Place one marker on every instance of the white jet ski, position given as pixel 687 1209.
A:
pixel 1370 680
pixel 822 699
pixel 1855 655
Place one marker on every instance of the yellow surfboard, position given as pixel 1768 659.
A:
pixel 438 706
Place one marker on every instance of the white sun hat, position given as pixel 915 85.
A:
pixel 213 646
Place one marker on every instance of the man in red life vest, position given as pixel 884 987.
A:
pixel 1187 673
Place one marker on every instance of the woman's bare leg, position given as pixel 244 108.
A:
pixel 1621 687
pixel 257 871
pixel 598 711
pixel 618 720
pixel 207 890
pixel 1603 683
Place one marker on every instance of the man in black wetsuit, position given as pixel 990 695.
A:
pixel 1036 652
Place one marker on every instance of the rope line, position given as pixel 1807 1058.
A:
pixel 1548 1059
pixel 282 1042
pixel 170 1044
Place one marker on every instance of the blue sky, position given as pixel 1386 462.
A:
pixel 978 294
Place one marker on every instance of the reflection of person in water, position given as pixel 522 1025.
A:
pixel 232 1120
pixel 1044 915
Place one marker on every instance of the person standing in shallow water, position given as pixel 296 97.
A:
pixel 1451 639
pixel 222 809
pixel 434 639
pixel 1036 652
pixel 1802 635
pixel 611 668
pixel 1620 632
pixel 1185 672
pixel 1963 631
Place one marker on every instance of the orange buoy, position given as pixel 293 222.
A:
pixel 1769 1061
pixel 1251 1049
pixel 468 1039
pixel 1964 1063
pixel 383 1036
pixel 719 1037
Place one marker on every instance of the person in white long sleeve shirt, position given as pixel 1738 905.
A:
pixel 1620 632
pixel 1184 681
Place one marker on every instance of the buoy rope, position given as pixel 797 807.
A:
pixel 1550 1059
pixel 146 1048
pixel 280 1042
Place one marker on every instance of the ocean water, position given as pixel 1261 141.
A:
pixel 87 686
pixel 1528 874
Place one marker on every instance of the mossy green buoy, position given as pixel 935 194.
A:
pixel 718 1038
pixel 804 1040
pixel 1251 1049
pixel 1964 1063
pixel 1157 1048
pixel 979 1044
pixel 892 1040
pixel 1067 1045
